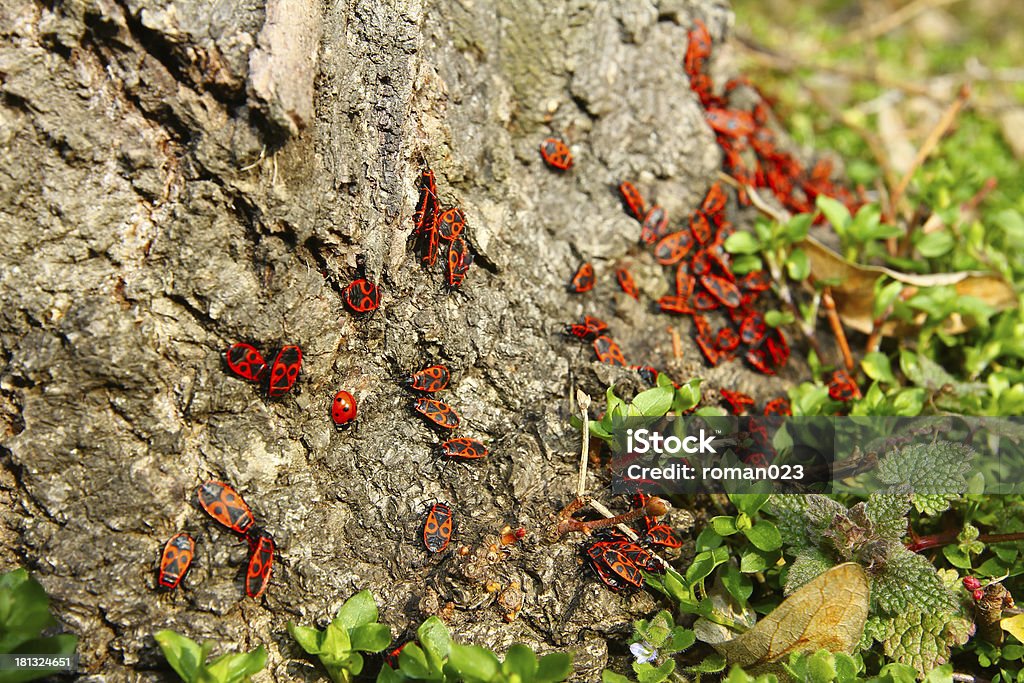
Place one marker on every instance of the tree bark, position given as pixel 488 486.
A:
pixel 178 176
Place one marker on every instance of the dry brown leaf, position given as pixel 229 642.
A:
pixel 854 293
pixel 827 613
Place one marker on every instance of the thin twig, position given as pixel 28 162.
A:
pixel 837 327
pixel 931 142
pixel 584 404
pixel 890 22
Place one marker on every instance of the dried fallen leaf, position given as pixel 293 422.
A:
pixel 854 293
pixel 827 613
pixel 1014 626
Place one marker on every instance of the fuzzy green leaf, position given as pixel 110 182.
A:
pixel 936 473
pixel 922 638
pixel 908 579
pixel 887 513
pixel 809 563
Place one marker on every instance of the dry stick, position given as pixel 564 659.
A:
pixel 940 129
pixel 583 400
pixel 837 327
pixel 788 64
pixel 892 21
pixel 677 343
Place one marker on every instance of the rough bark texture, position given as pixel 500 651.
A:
pixel 177 176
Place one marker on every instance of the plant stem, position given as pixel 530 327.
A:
pixel 946 537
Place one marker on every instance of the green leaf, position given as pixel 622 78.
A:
pixel 472 662
pixel 724 525
pixel 764 536
pixel 240 666
pixel 704 563
pixel 553 667
pixel 680 639
pixel 646 673
pixel 746 263
pixel 774 318
pixel 433 636
pixel 711 664
pixel 358 610
pixel 749 503
pixel 834 211
pixel 886 297
pixel 609 676
pixel 370 637
pixel 743 243
pixel 752 562
pixel 654 402
pixel 798 265
pixel 737 584
pixel 935 244
pixel 521 661
pixel 876 366
pixel 309 639
pixel 957 557
pixel 24 610
pixel 798 227
pixel 183 654
pixel 413 662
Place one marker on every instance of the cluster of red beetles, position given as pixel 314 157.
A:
pixel 224 504
pixel 748 144
pixel 431 226
pixel 438 524
pixel 617 560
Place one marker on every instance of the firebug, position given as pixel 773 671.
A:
pixel 245 361
pixel 714 200
pixel 225 505
pixel 702 301
pixel 726 292
pixel 841 387
pixel 556 154
pixel 176 560
pixel 437 412
pixel 261 562
pixel 437 528
pixel 426 206
pixel 738 401
pixel 450 224
pixel 430 379
pixel 583 280
pixel 661 534
pixel 608 351
pixel 655 225
pixel 284 371
pixel 632 200
pixel 464 448
pixel 627 283
pixel 671 248
pixel 755 281
pixel 675 304
pixel 727 339
pixel 701 227
pixel 362 296
pixel 778 406
pixel 616 564
pixel 459 260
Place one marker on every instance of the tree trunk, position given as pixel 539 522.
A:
pixel 178 176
